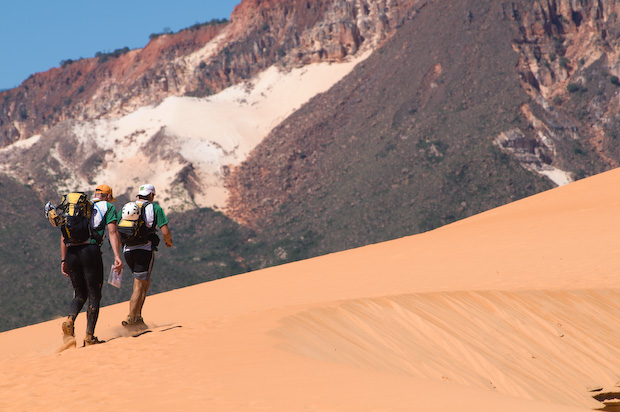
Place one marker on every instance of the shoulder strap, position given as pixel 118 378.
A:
pixel 143 207
pixel 143 204
pixel 98 208
pixel 101 212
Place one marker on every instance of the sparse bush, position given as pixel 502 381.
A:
pixel 211 22
pixel 193 27
pixel 166 30
pixel 580 174
pixel 578 150
pixel 119 52
pixel 573 87
pixel 613 129
pixel 104 57
pixel 614 80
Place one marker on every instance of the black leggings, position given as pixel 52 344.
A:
pixel 85 268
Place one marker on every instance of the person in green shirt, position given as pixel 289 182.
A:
pixel 140 258
pixel 82 263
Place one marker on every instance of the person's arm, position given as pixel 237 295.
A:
pixel 162 222
pixel 63 256
pixel 115 241
pixel 167 235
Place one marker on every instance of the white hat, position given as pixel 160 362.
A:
pixel 146 190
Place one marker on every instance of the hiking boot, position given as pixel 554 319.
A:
pixel 92 340
pixel 68 330
pixel 134 323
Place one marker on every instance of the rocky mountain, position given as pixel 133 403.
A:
pixel 468 106
pixel 300 128
pixel 104 113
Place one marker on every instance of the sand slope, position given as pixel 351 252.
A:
pixel 513 309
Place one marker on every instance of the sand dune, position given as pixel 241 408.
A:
pixel 514 309
pixel 512 343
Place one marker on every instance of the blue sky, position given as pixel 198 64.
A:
pixel 36 35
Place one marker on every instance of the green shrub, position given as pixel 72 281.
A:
pixel 166 30
pixel 580 174
pixel 211 22
pixel 104 57
pixel 193 27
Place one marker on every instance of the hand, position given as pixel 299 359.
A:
pixel 118 264
pixel 168 242
pixel 63 269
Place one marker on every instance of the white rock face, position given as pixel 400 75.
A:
pixel 185 145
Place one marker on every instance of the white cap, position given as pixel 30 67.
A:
pixel 146 190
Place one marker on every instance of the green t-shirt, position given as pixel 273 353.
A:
pixel 160 216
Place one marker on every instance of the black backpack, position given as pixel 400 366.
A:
pixel 75 212
pixel 134 232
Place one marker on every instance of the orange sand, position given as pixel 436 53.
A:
pixel 515 309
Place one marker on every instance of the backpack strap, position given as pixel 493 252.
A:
pixel 95 204
pixel 152 231
pixel 102 213
pixel 143 204
pixel 93 230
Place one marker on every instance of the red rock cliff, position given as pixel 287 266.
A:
pixel 198 61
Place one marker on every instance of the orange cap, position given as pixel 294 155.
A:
pixel 106 190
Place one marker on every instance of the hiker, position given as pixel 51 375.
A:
pixel 139 254
pixel 82 263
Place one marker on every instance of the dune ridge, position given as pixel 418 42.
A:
pixel 511 342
